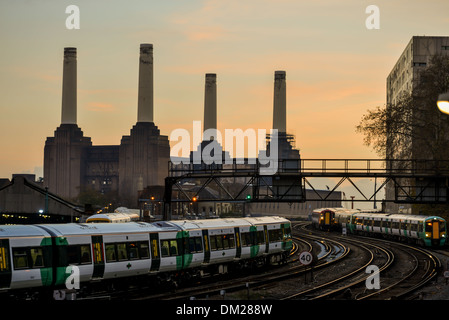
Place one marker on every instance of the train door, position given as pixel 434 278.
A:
pixel 327 218
pixel 267 242
pixel 98 255
pixel 436 230
pixel 206 246
pixel 5 264
pixel 238 252
pixel 155 252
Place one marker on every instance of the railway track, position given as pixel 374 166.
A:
pixel 330 253
pixel 402 270
pixel 339 273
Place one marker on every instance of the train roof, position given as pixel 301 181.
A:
pixel 106 228
pixel 267 220
pixel 113 217
pixel 226 223
pixel 397 217
pixel 337 210
pixel 22 231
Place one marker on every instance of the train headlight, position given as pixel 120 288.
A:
pixel 427 234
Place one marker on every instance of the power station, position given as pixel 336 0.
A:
pixel 72 164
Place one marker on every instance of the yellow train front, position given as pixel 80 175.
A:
pixel 323 219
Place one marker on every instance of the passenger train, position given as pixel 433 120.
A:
pixel 115 217
pixel 38 258
pixel 429 231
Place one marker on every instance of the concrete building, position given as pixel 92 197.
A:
pixel 405 78
pixel 73 165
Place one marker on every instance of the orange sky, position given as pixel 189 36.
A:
pixel 336 67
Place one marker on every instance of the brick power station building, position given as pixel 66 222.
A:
pixel 72 164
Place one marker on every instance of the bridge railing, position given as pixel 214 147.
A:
pixel 406 167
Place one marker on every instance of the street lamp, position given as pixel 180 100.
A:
pixel 443 102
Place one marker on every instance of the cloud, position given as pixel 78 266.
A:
pixel 100 107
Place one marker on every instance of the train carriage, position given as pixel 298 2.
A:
pixel 102 251
pixel 44 256
pixel 323 219
pixel 25 257
pixel 424 230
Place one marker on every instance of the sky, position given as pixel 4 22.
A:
pixel 336 68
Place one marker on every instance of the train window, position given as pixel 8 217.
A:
pixel 170 248
pixel 246 239
pixel 213 242
pixel 86 256
pixel 72 255
pixel 228 241
pixel 222 242
pixel 287 233
pixel 195 245
pixel 260 237
pixel 165 248
pixel 26 258
pixel 275 235
pixel 219 242
pixel 37 258
pixel 231 240
pixel 20 258
pixel 110 252
pixel 133 250
pixel 79 254
pixel 198 244
pixel 173 247
pixel 121 251
pixel 144 250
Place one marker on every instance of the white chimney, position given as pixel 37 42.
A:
pixel 279 102
pixel 145 100
pixel 210 102
pixel 68 112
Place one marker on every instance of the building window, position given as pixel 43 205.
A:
pixel 445 47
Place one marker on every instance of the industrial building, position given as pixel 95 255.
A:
pixel 72 164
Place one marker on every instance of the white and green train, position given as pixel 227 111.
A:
pixel 38 257
pixel 429 231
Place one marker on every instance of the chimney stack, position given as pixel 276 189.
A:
pixel 145 100
pixel 68 113
pixel 279 102
pixel 210 102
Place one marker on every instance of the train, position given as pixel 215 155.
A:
pixel 114 217
pixel 428 231
pixel 38 259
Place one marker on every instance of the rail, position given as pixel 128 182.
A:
pixel 319 167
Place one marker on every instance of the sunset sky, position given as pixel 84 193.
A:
pixel 336 68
